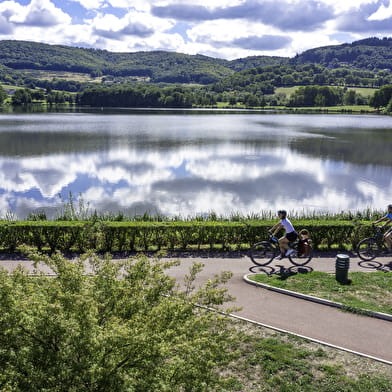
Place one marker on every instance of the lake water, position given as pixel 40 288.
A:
pixel 194 162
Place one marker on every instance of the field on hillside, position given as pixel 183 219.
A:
pixel 48 75
pixel 360 90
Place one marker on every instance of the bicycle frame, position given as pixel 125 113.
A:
pixel 264 252
pixel 371 247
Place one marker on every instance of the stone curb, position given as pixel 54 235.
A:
pixel 321 301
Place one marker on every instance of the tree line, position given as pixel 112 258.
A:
pixel 184 97
pixel 371 54
pixel 26 96
pixel 266 79
pixel 310 96
pixel 382 98
pixel 141 96
pixel 368 54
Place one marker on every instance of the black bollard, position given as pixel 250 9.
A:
pixel 342 267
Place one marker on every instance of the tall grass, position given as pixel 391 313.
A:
pixel 77 209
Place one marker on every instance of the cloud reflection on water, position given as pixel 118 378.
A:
pixel 265 167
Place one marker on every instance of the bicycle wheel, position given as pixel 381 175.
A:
pixel 301 257
pixel 262 253
pixel 368 249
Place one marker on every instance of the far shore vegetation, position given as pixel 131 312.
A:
pixel 325 99
pixel 353 78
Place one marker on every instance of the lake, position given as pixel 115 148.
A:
pixel 194 162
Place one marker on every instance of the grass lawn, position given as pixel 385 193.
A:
pixel 48 75
pixel 331 109
pixel 270 361
pixel 365 91
pixel 348 108
pixel 9 87
pixel 368 290
pixel 286 90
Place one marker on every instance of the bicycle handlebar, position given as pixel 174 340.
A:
pixel 376 228
pixel 272 237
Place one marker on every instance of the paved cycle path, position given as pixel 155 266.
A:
pixel 363 335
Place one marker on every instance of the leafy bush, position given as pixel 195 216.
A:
pixel 143 236
pixel 126 327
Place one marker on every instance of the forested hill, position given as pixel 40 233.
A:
pixel 157 66
pixel 370 53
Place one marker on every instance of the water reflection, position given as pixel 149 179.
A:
pixel 195 163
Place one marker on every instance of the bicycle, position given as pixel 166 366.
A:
pixel 262 253
pixel 371 247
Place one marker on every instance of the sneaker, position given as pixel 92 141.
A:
pixel 289 252
pixel 280 257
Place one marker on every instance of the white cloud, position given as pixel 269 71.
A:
pixel 220 30
pixel 382 13
pixel 4 203
pixel 40 13
pixel 137 24
pixel 9 8
pixel 206 3
pixel 304 41
pixel 341 6
pixel 90 4
pixel 5 26
pixel 131 26
pixel 145 5
pixel 140 5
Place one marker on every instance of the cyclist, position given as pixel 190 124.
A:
pixel 290 234
pixel 388 234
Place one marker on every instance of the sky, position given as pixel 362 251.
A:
pixel 226 29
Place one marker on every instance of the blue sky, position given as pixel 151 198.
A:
pixel 219 28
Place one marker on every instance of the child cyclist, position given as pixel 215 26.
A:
pixel 388 234
pixel 290 234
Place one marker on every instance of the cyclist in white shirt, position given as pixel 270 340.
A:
pixel 290 234
pixel 388 234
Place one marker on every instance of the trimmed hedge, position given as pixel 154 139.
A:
pixel 143 236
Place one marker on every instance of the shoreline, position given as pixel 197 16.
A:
pixel 352 109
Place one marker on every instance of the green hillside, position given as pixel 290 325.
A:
pixel 370 53
pixel 251 81
pixel 266 79
pixel 157 66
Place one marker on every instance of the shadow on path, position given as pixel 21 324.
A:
pixel 281 270
pixel 376 265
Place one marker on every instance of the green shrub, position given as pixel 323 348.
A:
pixel 144 236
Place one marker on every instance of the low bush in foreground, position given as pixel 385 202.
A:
pixel 100 325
